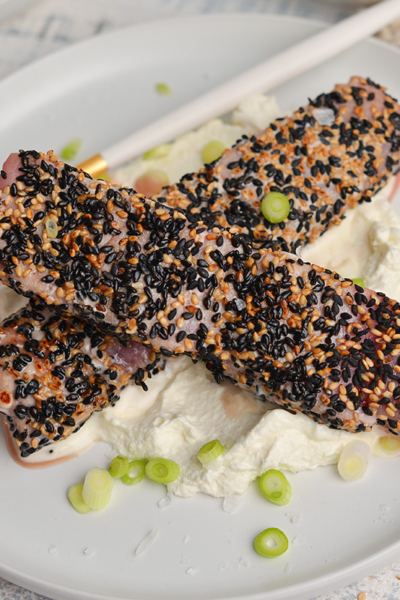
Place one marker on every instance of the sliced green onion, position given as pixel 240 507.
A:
pixel 136 472
pixel 51 228
pixel 97 488
pixel 353 461
pixel 212 151
pixel 151 183
pixel 162 470
pixel 359 282
pixel 76 498
pixel 275 487
pixel 210 451
pixel 271 542
pixel 160 151
pixel 275 207
pixel 163 89
pixel 119 466
pixel 70 151
pixel 389 446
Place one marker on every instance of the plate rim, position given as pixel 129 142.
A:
pixel 296 590
pixel 234 15
pixel 338 577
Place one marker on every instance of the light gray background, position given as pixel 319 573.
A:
pixel 44 26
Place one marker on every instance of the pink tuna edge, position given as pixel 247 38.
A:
pixel 11 168
pixel 134 356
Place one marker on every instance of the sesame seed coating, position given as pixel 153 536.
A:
pixel 296 333
pixel 330 155
pixel 55 373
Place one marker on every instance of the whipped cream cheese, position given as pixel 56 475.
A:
pixel 366 245
pixel 185 153
pixel 184 408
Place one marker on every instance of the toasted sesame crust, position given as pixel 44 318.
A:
pixel 297 333
pixel 327 157
pixel 55 373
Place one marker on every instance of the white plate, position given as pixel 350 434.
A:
pixel 100 90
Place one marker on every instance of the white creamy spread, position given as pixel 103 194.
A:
pixel 366 245
pixel 184 408
pixel 185 153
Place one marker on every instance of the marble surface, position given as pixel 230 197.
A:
pixel 40 27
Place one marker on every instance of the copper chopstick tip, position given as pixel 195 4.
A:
pixel 95 165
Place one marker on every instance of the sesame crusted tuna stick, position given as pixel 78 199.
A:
pixel 297 333
pixel 327 157
pixel 55 373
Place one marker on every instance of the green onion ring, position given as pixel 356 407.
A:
pixel 162 470
pixel 271 543
pixel 275 207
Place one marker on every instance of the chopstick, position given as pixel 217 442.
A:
pixel 259 79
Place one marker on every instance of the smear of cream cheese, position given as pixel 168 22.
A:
pixel 185 153
pixel 348 248
pixel 184 408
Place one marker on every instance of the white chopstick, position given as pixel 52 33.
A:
pixel 267 75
